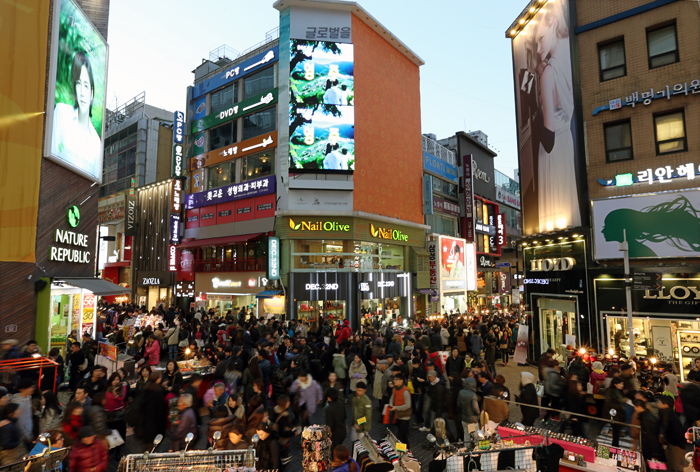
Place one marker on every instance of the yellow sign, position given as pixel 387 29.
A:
pixel 400 447
pixel 24 27
pixel 362 420
pixel 88 315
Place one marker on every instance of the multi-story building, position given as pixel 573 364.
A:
pixel 49 169
pixel 612 162
pixel 137 152
pixel 304 191
pixel 640 92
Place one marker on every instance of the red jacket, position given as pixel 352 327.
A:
pixel 72 425
pixel 84 458
pixel 344 334
pixel 153 353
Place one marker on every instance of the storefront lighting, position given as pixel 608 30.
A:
pixel 653 360
pixel 611 351
pixel 512 32
pixel 36 355
pixel 582 351
pixel 187 351
pixel 522 21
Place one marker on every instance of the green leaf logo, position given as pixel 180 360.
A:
pixel 293 225
pixel 297 226
pixel 73 216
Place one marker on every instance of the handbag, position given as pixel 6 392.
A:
pixel 115 439
pixel 539 387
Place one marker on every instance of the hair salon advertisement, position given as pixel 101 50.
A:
pixel 77 100
pixel 657 225
pixel 547 121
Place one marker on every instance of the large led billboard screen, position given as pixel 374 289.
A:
pixel 457 264
pixel 547 120
pixel 321 108
pixel 77 93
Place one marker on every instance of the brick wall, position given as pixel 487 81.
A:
pixel 639 78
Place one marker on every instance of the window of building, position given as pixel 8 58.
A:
pixel 442 224
pixel 259 123
pixel 618 141
pixel 346 256
pixel 662 46
pixel 259 82
pixel 670 133
pixel 445 188
pixel 224 98
pixel 612 60
pixel 119 164
pixel 257 165
pixel 221 175
pixel 482 243
pixel 223 135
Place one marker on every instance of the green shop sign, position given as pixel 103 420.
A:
pixel 311 225
pixel 239 109
pixel 387 233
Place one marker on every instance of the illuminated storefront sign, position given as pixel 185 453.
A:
pixel 184 289
pixel 440 168
pixel 386 233
pixel 230 193
pixel 61 254
pixel 243 108
pixel 172 258
pixel 216 283
pixel 651 176
pixel 318 226
pixel 273 255
pixel 553 264
pixel 176 196
pixel 509 198
pixel 174 229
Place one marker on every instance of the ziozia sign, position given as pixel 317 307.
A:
pixel 554 264
pixel 328 226
pixel 386 233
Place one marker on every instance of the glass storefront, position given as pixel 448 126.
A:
pixel 385 309
pixel 559 326
pixel 346 256
pixel 310 311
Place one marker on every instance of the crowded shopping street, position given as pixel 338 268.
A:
pixel 340 236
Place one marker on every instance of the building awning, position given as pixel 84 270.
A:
pixel 421 251
pixel 219 241
pixel 96 286
pixel 268 293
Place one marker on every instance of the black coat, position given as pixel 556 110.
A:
pixel 528 395
pixel 436 393
pixel 154 412
pixel 335 419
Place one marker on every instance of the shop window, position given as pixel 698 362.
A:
pixel 670 133
pixel 259 123
pixel 223 135
pixel 257 165
pixel 308 311
pixel 441 224
pixel 559 324
pixel 662 46
pixel 618 141
pixel 224 98
pixel 220 175
pixel 346 256
pixel 612 60
pixel 483 243
pixel 259 82
pixel 445 188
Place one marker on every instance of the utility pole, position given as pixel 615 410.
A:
pixel 624 247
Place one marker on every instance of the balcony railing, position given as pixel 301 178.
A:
pixel 232 265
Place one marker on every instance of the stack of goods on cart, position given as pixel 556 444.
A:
pixel 316 448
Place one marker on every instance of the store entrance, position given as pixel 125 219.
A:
pixel 387 310
pixel 559 325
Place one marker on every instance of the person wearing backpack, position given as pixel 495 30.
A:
pixel 172 339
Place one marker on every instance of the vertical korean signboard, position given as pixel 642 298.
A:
pixel 273 255
pixel 433 265
pixel 468 228
pixel 178 169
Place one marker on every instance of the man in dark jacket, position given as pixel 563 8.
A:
pixel 420 382
pixel 672 434
pixel 335 417
pixel 77 359
pixel 436 339
pixel 528 395
pixel 186 424
pixel 648 432
pixel 436 398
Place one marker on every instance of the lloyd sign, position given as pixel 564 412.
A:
pixel 554 264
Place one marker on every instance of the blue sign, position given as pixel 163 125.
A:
pixel 273 258
pixel 500 265
pixel 236 72
pixel 200 108
pixel 178 127
pixel 230 193
pixel 438 167
pixel 427 194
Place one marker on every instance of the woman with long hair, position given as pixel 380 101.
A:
pixel 115 405
pixel 73 421
pixel 250 374
pixel 256 415
pixel 675 222
pixel 12 445
pixel 142 379
pixel 267 450
pixel 51 412
pixel 172 376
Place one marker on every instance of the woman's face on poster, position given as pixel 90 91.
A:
pixel 546 37
pixel 83 92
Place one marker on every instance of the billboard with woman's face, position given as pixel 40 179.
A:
pixel 547 121
pixel 658 225
pixel 77 102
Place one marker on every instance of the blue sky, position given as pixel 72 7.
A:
pixel 466 82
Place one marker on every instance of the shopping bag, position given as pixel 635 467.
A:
pixel 115 439
pixel 589 389
pixel 386 415
pixel 540 389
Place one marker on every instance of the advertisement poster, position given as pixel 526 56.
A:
pixel 661 225
pixel 108 351
pixel 75 136
pixel 321 108
pixel 546 120
pixel 520 355
pixel 453 271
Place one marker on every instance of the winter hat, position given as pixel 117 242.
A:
pixel 86 432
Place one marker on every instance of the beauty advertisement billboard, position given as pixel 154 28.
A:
pixel 76 98
pixel 547 119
